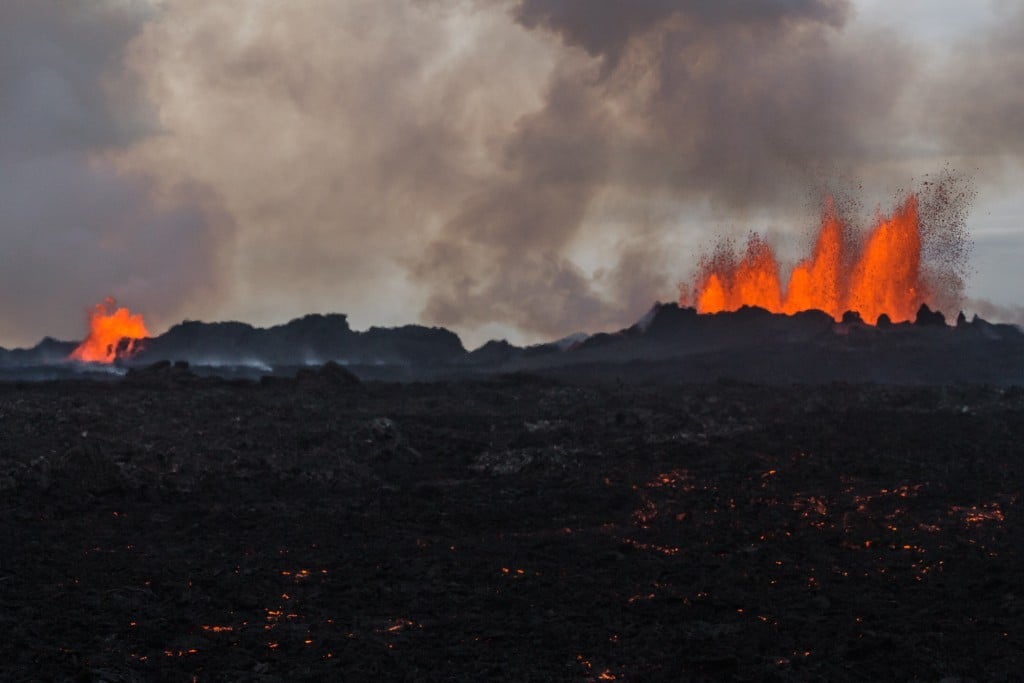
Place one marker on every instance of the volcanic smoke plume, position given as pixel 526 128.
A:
pixel 915 255
pixel 535 166
pixel 524 164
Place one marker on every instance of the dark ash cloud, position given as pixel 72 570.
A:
pixel 605 28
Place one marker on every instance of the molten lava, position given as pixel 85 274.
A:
pixel 106 330
pixel 881 275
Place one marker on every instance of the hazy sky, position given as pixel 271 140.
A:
pixel 506 168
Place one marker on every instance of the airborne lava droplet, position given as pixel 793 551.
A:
pixel 108 325
pixel 913 256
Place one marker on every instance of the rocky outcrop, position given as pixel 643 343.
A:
pixel 669 344
pixel 311 340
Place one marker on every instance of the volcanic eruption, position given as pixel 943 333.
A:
pixel 879 274
pixel 108 326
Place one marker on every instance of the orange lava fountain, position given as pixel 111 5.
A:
pixel 883 275
pixel 106 330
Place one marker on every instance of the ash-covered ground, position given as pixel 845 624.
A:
pixel 165 527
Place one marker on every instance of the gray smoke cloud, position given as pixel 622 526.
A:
pixel 73 229
pixel 974 110
pixel 737 103
pixel 340 135
pixel 974 102
pixel 987 310
pixel 522 167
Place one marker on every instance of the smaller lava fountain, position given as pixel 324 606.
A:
pixel 108 325
pixel 880 274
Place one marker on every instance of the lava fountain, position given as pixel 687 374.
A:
pixel 108 325
pixel 881 274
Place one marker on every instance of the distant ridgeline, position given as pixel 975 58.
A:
pixel 668 344
pixel 313 339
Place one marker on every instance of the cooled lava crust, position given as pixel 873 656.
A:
pixel 175 528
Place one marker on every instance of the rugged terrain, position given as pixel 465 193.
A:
pixel 169 527
pixel 667 345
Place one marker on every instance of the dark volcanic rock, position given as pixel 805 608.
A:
pixel 49 350
pixel 667 320
pixel 927 317
pixel 542 349
pixel 602 340
pixel 853 318
pixel 494 353
pixel 161 373
pixel 517 530
pixel 672 344
pixel 993 331
pixel 669 344
pixel 409 344
pixel 311 339
pixel 330 374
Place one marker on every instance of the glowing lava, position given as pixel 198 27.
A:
pixel 106 330
pixel 880 275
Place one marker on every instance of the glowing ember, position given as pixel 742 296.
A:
pixel 989 512
pixel 881 275
pixel 106 330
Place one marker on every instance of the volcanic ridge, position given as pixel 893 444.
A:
pixel 671 343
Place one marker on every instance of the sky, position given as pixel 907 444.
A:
pixel 519 169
